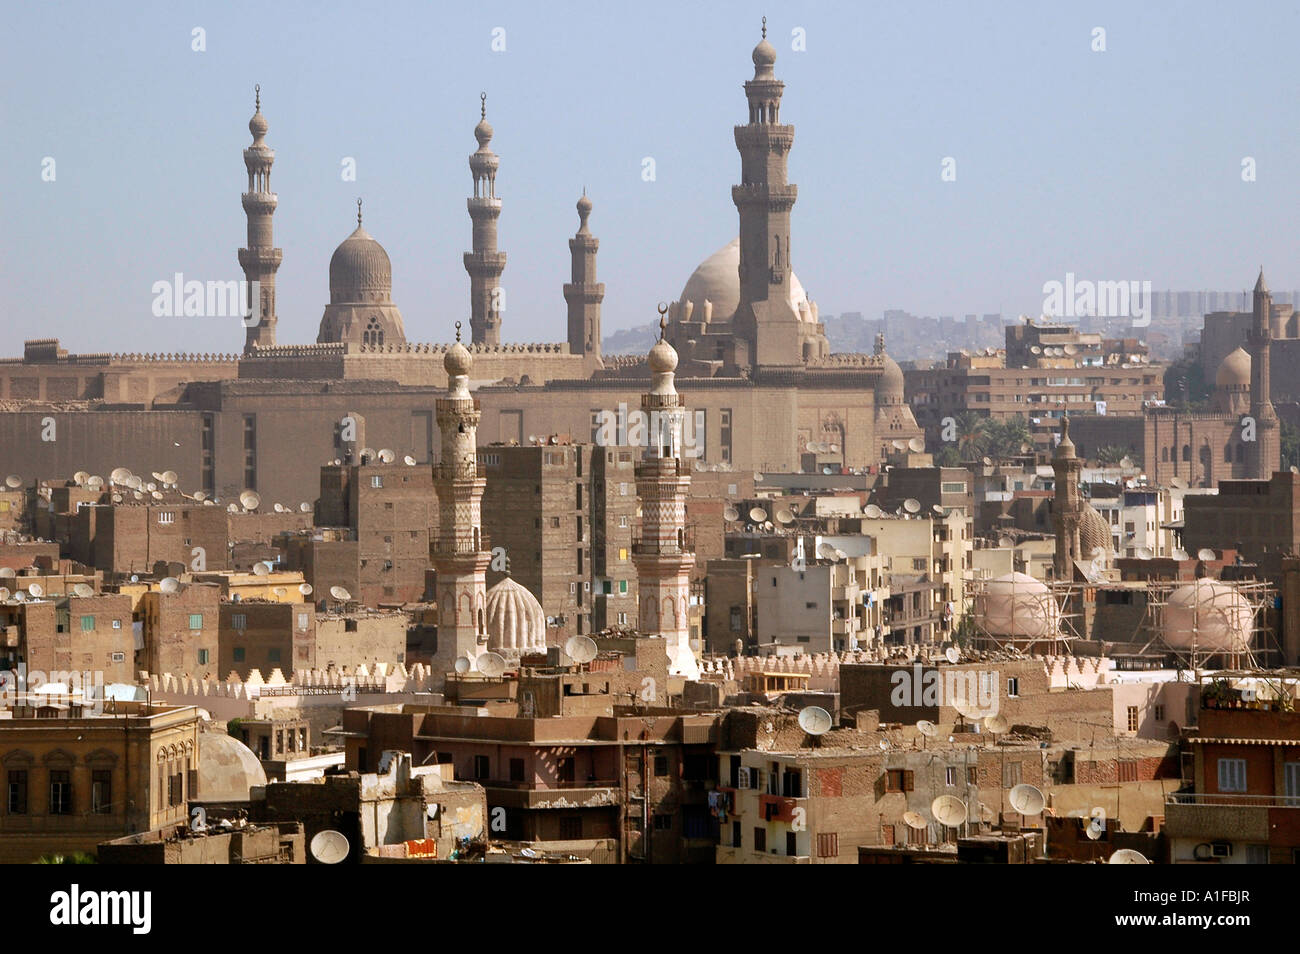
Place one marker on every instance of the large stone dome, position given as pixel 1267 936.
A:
pixel 227 769
pixel 1017 605
pixel 889 389
pixel 360 270
pixel 515 620
pixel 1208 615
pixel 1234 370
pixel 717 279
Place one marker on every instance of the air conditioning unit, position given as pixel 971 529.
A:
pixel 1221 849
pixel 742 778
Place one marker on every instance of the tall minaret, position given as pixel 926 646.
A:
pixel 663 556
pixel 261 259
pixel 459 555
pixel 1264 455
pixel 764 200
pixel 584 294
pixel 1069 505
pixel 485 264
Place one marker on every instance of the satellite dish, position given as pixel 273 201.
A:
pixel 1027 800
pixel 367 454
pixel 1127 856
pixel 386 456
pixel 731 514
pixel 20 597
pixel 997 724
pixel 1070 349
pixel 784 517
pixel 915 820
pixel 233 508
pixel 200 495
pixel 987 461
pixel 815 720
pixel 408 460
pixel 95 483
pixel 279 508
pixel 329 847
pixel 581 649
pixel 952 654
pixel 937 508
pixel 304 507
pixel 899 445
pixel 828 470
pixel 156 494
pixel 35 590
pixel 117 498
pixel 13 481
pixel 1205 554
pixel 261 569
pixel 872 511
pixel 884 745
pixel 916 445
pixel 757 514
pixel 156 475
pixel 949 811
pixel 151 486
pixel 462 664
pixel 7 572
pixel 304 589
pixel 491 665
pixel 134 482
pixel 826 551
pixel 4 594
pixel 83 590
pixel 134 578
pixel 79 478
pixel 758 478
pixel 927 728
pixel 169 585
pixel 340 594
pixel 169 477
pixel 249 500
pixel 1144 553
pixel 912 505
pixel 281 591
pixel 1035 349
pixel 835 448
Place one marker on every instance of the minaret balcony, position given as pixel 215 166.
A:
pixel 265 258
pixel 483 203
pixel 485 260
pixel 263 202
pixel 654 545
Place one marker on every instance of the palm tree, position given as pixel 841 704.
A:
pixel 1008 438
pixel 76 858
pixel 971 435
pixel 1110 455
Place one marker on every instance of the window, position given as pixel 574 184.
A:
pixel 972 775
pixel 1232 775
pixel 571 828
pixel 663 822
pixel 60 793
pixel 1160 713
pixel 516 770
pixel 239 653
pixel 196 621
pixel 791 844
pixel 117 657
pixel 898 780
pixel 1012 775
pixel 1013 687
pixel 87 624
pixel 1132 718
pixel 950 775
pixel 760 839
pixel 661 765
pixel 828 845
pixel 481 766
pixel 273 655
pixel 302 621
pixel 18 793
pixel 1291 776
pixel 101 791
pixel 1257 854
pixel 117 624
pixel 377 481
pixel 203 657
pixel 167 516
pixel 239 620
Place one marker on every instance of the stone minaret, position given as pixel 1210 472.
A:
pixel 663 556
pixel 458 555
pixel 261 259
pixel 584 294
pixel 1069 505
pixel 765 319
pixel 485 264
pixel 1265 453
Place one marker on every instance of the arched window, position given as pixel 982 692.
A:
pixel 1187 452
pixel 373 336
pixel 1241 453
pixel 1164 455
pixel 1227 453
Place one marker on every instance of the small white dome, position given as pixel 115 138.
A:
pixel 717 280
pixel 1210 614
pixel 1019 606
pixel 515 620
pixel 227 769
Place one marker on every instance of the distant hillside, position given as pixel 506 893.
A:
pixel 636 340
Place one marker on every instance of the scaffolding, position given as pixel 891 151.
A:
pixel 1054 607
pixel 1237 608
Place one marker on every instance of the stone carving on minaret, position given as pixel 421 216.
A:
pixel 261 259
pixel 485 263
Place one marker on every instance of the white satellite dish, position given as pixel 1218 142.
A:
pixel 117 498
pixel 20 597
pixel 169 477
pixel 872 511
pixel 7 572
pixel 95 483
pixel 134 482
pixel 997 724
pixel 408 460
pixel 80 477
pixel 35 590
pixel 304 507
pixel 937 508
pixel 386 456
pixel 1205 554
pixel 927 728
pixel 261 569
pixel 952 654
pixel 731 514
pixel 151 486
pixel 233 508
pixel 784 517
pixel 491 665
pixel 899 445
pixel 835 448
pixel 758 478
pixel 949 811
pixel 815 720
pixel 757 514
pixel 1144 553
pixel 916 445
pixel 304 589
pixel 1127 856
pixel 915 820
pixel 156 494
pixel 581 649
pixel 279 508
pixel 83 590
pixel 329 847
pixel 340 594
pixel 250 500
pixel 1027 800
pixel 1035 349
pixel 912 505
pixel 367 454
pixel 134 578
pixel 281 591
pixel 13 481
pixel 200 495
pixel 169 584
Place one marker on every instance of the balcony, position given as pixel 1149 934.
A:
pixel 684 544
pixel 590 793
pixel 1246 818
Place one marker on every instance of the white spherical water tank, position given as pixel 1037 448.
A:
pixel 1017 606
pixel 1210 614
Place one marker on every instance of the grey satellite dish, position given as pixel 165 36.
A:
pixel 491 665
pixel 1127 856
pixel 731 514
pixel 916 445
pixel 952 654
pixel 912 505
pixel 1027 800
pixel 949 811
pixel 329 847
pixel 13 481
pixel 304 589
pixel 872 511
pixel 386 456
pixel 83 590
pixel 1205 554
pixel 997 724
pixel 462 664
pixel 581 649
pixel 340 594
pixel 261 569
pixel 815 720
pixel 757 514
pixel 784 517
pixel 169 584
pixel 915 820
pixel 927 728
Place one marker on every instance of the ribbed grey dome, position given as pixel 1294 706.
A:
pixel 360 270
pixel 515 620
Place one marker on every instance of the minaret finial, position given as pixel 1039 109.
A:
pixel 458 332
pixel 482 112
pixel 257 97
pixel 765 28
pixel 663 319
pixel 358 213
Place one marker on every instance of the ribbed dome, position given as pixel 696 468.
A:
pixel 1234 370
pixel 1094 532
pixel 227 769
pixel 360 270
pixel 717 279
pixel 515 620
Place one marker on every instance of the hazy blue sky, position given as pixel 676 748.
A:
pixel 1117 165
